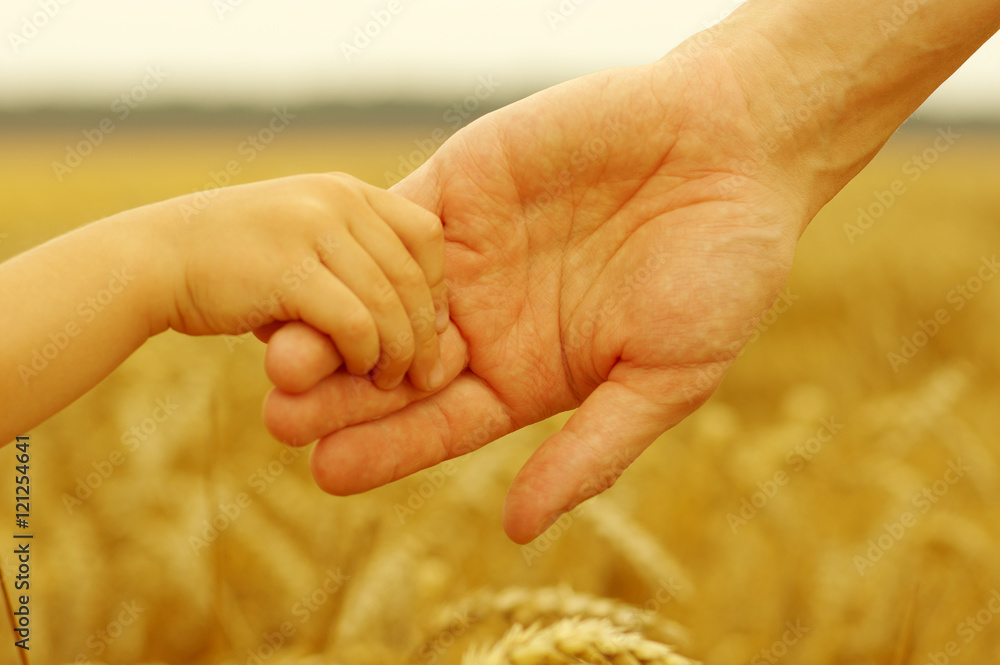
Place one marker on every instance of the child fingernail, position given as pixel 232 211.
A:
pixel 436 377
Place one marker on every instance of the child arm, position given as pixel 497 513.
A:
pixel 77 306
pixel 359 264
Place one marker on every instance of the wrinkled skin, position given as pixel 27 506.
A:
pixel 625 286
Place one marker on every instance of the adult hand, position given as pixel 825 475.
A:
pixel 611 242
pixel 604 251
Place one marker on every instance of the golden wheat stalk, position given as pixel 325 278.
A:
pixel 637 546
pixel 573 641
pixel 381 585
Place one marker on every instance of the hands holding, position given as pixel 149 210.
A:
pixel 612 242
pixel 609 256
pixel 360 265
pixel 610 245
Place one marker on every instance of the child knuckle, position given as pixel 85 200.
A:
pixel 336 191
pixel 411 273
pixel 423 321
pixel 403 354
pixel 358 323
pixel 384 298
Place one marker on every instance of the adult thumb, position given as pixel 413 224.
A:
pixel 422 186
pixel 612 427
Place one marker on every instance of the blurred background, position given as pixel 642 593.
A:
pixel 225 53
pixel 769 527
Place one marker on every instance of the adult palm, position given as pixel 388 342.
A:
pixel 610 245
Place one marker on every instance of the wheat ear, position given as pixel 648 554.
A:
pixel 574 641
pixel 520 605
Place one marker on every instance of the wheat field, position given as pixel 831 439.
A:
pixel 831 504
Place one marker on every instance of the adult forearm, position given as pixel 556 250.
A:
pixel 831 81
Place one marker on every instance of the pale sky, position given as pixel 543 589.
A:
pixel 213 52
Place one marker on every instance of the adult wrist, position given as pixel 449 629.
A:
pixel 828 83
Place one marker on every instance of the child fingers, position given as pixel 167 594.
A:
pixel 298 419
pixel 361 273
pixel 409 282
pixel 422 233
pixel 331 306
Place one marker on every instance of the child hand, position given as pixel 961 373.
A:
pixel 361 265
